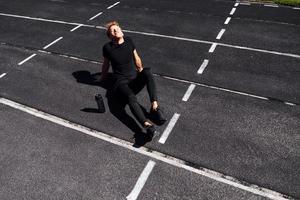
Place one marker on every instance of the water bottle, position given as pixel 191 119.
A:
pixel 100 103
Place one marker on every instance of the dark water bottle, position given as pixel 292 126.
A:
pixel 100 103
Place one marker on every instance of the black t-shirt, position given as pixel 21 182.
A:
pixel 121 57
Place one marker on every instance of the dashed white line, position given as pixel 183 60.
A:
pixel 169 128
pixel 109 7
pixel 255 189
pixel 100 13
pixel 48 45
pixel 220 34
pixel 203 66
pixel 20 63
pixel 141 181
pixel 290 104
pixel 245 4
pixel 236 4
pixel 227 20
pixel 296 8
pixel 188 92
pixel 76 27
pixel 271 5
pixel 232 11
pixel 2 75
pixel 159 35
pixel 212 48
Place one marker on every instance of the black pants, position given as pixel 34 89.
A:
pixel 129 89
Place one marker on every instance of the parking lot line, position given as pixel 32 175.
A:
pixel 169 128
pixel 159 35
pixel 2 75
pixel 48 45
pixel 255 189
pixel 232 11
pixel 188 92
pixel 100 13
pixel 141 181
pixel 203 66
pixel 227 20
pixel 20 63
pixel 76 27
pixel 212 48
pixel 220 34
pixel 109 7
pixel 271 5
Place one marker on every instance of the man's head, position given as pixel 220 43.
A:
pixel 113 30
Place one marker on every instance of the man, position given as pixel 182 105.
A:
pixel 130 76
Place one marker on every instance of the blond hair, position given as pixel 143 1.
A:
pixel 110 24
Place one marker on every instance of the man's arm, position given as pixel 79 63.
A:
pixel 105 68
pixel 138 61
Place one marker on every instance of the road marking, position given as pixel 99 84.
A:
pixel 212 48
pixel 271 5
pixel 2 75
pixel 255 189
pixel 100 13
pixel 169 128
pixel 76 27
pixel 203 66
pixel 188 92
pixel 109 7
pixel 296 8
pixel 20 63
pixel 245 4
pixel 48 45
pixel 159 35
pixel 220 34
pixel 227 20
pixel 232 11
pixel 236 4
pixel 290 104
pixel 141 181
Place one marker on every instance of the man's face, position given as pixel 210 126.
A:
pixel 115 32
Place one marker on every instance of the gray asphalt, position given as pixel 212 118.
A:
pixel 250 139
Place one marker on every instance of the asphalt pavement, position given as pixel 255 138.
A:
pixel 237 131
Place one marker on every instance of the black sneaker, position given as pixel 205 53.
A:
pixel 158 116
pixel 152 132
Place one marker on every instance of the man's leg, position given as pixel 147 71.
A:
pixel 134 106
pixel 145 78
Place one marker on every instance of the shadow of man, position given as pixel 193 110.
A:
pixel 116 103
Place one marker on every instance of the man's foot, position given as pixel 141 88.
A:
pixel 158 116
pixel 151 131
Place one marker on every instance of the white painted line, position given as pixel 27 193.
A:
pixel 271 5
pixel 236 4
pixel 296 8
pixel 220 34
pixel 76 27
pixel 150 153
pixel 227 20
pixel 2 75
pixel 203 66
pixel 159 35
pixel 290 104
pixel 188 92
pixel 20 63
pixel 48 45
pixel 232 11
pixel 113 5
pixel 141 181
pixel 216 88
pixel 245 4
pixel 212 48
pixel 100 13
pixel 169 128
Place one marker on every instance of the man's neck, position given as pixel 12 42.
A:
pixel 119 40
